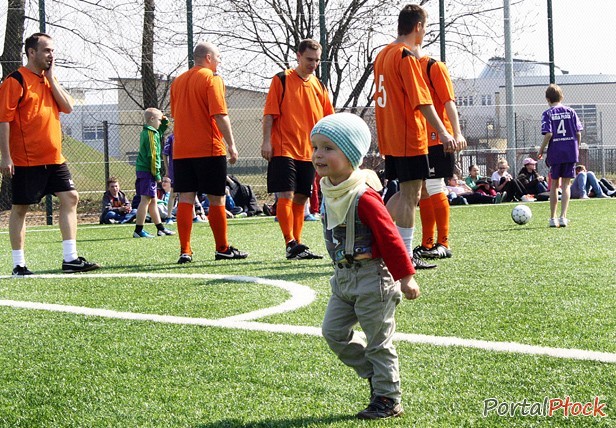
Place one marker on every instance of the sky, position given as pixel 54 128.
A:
pixel 584 35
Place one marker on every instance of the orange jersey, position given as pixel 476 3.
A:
pixel 36 135
pixel 400 91
pixel 441 90
pixel 197 95
pixel 304 103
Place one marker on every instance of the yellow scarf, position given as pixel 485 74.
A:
pixel 338 199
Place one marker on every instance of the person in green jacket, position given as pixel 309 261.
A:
pixel 148 172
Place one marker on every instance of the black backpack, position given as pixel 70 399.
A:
pixel 431 62
pixel 283 79
pixel 17 76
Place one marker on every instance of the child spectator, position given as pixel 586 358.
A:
pixel 165 209
pixel 116 207
pixel 504 183
pixel 460 193
pixel 561 129
pixel 148 172
pixel 371 264
pixel 478 183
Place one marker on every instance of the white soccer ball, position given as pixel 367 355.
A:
pixel 521 214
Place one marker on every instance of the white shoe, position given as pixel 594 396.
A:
pixel 553 222
pixel 563 222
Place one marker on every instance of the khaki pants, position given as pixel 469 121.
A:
pixel 365 292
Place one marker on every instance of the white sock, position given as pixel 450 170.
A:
pixel 69 250
pixel 407 236
pixel 19 258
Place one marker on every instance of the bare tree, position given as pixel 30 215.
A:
pixel 148 81
pixel 11 60
pixel 265 33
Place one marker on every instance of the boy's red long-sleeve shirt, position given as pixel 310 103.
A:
pixel 387 242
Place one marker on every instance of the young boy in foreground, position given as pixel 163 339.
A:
pixel 371 264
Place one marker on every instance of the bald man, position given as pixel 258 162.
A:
pixel 203 138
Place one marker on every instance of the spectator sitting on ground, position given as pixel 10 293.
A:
pixel 164 199
pixel 116 207
pixel 503 182
pixel 460 193
pixel 230 208
pixel 584 182
pixel 479 183
pixel 534 183
pixel 608 187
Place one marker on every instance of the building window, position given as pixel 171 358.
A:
pixel 486 100
pixel 588 116
pixel 465 101
pixel 95 132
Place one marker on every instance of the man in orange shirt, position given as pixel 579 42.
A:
pixel 403 104
pixel 201 129
pixel 31 149
pixel 434 205
pixel 296 101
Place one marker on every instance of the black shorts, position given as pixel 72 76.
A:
pixel 286 174
pixel 407 168
pixel 201 175
pixel 31 183
pixel 442 163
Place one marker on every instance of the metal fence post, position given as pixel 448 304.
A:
pixel 48 200
pixel 106 149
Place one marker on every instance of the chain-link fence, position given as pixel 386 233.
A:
pixel 102 60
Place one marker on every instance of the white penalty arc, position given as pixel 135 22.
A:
pixel 301 296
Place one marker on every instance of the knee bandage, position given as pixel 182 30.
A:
pixel 434 186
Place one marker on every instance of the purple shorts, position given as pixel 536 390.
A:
pixel 562 170
pixel 145 185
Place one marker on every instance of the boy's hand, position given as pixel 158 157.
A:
pixel 409 287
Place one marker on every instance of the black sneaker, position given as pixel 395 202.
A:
pixel 184 258
pixel 21 271
pixel 293 249
pixel 443 251
pixel 296 251
pixel 231 253
pixel 420 264
pixel 165 232
pixel 381 408
pixel 78 265
pixel 425 253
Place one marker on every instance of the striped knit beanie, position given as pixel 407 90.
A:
pixel 349 132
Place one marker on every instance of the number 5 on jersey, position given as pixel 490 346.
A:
pixel 381 99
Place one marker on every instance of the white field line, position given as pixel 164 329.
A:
pixel 300 296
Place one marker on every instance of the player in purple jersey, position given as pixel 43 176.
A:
pixel 561 129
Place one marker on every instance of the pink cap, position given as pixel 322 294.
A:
pixel 529 161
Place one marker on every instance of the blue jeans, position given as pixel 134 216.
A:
pixel 120 218
pixel 583 183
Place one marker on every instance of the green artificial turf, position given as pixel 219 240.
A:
pixel 506 283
